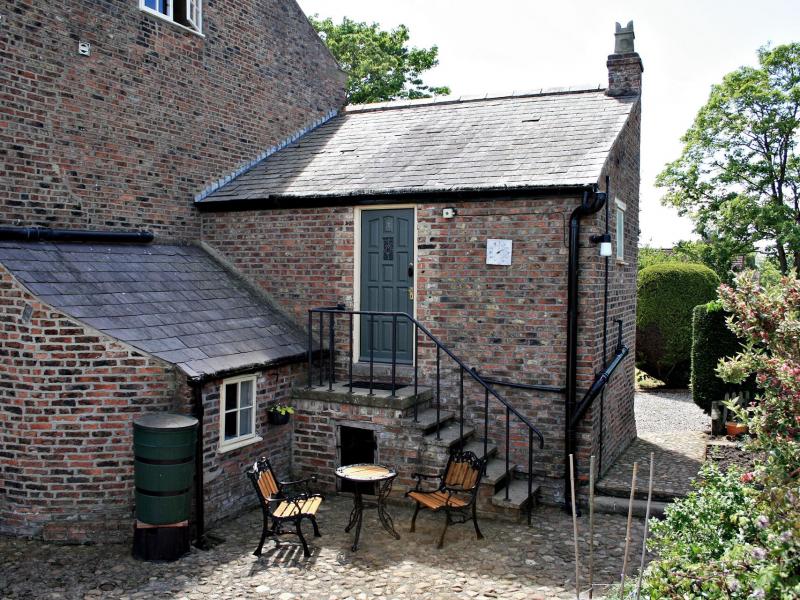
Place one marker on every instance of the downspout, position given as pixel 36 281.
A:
pixel 607 238
pixel 199 500
pixel 587 207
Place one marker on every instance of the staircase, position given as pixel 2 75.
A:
pixel 425 427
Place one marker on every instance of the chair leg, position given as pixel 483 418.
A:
pixel 444 531
pixel 316 527
pixel 475 522
pixel 414 519
pixel 306 552
pixel 264 534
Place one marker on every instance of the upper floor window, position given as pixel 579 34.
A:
pixel 620 229
pixel 188 13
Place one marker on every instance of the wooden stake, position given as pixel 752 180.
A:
pixel 646 526
pixel 628 531
pixel 591 526
pixel 575 526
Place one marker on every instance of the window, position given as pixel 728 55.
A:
pixel 620 229
pixel 237 423
pixel 188 13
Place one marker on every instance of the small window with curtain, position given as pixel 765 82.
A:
pixel 620 229
pixel 237 413
pixel 187 13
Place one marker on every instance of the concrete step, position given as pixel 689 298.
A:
pixel 607 488
pixel 496 471
pixel 517 495
pixel 476 445
pixel 619 506
pixel 426 419
pixel 449 435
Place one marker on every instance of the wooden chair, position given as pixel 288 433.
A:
pixel 280 507
pixel 456 493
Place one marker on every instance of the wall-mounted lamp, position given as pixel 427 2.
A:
pixel 605 243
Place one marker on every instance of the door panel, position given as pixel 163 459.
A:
pixel 387 249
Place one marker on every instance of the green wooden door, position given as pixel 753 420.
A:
pixel 387 281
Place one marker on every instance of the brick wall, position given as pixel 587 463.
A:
pixel 509 321
pixel 618 422
pixel 68 398
pixel 127 136
pixel 226 488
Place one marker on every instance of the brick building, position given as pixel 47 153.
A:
pixel 227 133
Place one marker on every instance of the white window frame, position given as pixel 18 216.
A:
pixel 240 440
pixel 620 229
pixel 195 21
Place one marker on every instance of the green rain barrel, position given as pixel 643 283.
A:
pixel 163 448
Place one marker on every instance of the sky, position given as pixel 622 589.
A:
pixel 505 45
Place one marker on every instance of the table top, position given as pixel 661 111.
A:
pixel 365 472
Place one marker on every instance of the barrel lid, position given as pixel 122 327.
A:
pixel 169 421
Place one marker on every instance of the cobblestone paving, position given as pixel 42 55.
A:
pixel 513 562
pixel 672 427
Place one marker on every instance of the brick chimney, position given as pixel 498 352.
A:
pixel 624 66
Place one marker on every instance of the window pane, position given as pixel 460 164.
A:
pixel 157 5
pixel 246 421
pixel 246 392
pixel 230 425
pixel 620 233
pixel 231 396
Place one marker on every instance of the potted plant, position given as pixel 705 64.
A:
pixel 734 424
pixel 278 414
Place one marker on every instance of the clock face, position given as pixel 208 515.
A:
pixel 498 252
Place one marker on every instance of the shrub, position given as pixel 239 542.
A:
pixel 738 535
pixel 667 294
pixel 712 341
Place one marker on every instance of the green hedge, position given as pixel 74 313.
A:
pixel 667 294
pixel 712 341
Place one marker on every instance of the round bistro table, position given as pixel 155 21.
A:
pixel 369 473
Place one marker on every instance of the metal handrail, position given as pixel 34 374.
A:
pixel 439 344
pixel 440 347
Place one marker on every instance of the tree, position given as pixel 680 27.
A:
pixel 378 64
pixel 739 174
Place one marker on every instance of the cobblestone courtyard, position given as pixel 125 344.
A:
pixel 513 562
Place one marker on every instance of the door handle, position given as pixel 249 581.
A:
pixel 410 269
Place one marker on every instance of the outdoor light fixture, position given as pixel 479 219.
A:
pixel 605 243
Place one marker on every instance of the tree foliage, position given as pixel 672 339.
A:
pixel 378 63
pixel 739 174
pixel 716 257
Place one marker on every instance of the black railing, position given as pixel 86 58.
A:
pixel 418 327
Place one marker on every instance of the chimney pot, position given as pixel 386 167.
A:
pixel 624 66
pixel 623 39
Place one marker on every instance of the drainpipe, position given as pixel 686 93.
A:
pixel 199 501
pixel 41 234
pixel 593 201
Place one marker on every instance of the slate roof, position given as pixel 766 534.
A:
pixel 532 140
pixel 175 302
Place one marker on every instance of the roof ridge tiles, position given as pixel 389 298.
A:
pixel 452 99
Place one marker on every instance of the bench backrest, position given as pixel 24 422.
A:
pixel 264 480
pixel 464 470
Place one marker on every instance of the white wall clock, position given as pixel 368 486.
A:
pixel 498 252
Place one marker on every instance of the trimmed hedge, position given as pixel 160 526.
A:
pixel 711 342
pixel 667 294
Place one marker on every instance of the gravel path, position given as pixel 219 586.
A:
pixel 668 411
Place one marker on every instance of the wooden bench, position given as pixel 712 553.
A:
pixel 455 494
pixel 280 507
